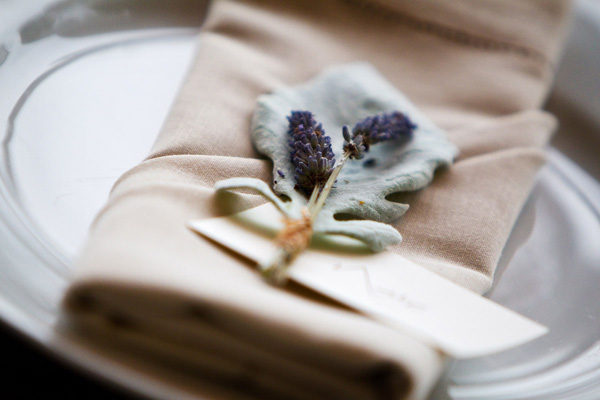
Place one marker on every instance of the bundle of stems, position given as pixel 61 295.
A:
pixel 317 171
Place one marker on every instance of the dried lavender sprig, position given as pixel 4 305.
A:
pixel 300 117
pixel 375 129
pixel 371 130
pixel 296 235
pixel 310 152
pixel 313 159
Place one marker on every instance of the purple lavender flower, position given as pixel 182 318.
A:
pixel 310 151
pixel 296 118
pixel 375 129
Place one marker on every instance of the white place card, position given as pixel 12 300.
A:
pixel 385 287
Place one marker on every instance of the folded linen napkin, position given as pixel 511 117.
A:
pixel 480 70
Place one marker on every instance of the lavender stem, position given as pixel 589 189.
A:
pixel 313 197
pixel 320 201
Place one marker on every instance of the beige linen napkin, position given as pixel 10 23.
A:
pixel 480 70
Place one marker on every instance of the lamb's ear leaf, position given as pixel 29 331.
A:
pixel 378 236
pixel 341 96
pixel 260 187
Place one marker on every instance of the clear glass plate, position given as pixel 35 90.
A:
pixel 86 87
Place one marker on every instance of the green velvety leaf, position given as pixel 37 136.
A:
pixel 340 96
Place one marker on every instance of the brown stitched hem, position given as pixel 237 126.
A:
pixel 449 33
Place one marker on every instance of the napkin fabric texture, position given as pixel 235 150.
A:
pixel 480 70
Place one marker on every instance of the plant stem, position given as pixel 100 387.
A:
pixel 291 241
pixel 296 235
pixel 316 209
pixel 275 271
pixel 313 197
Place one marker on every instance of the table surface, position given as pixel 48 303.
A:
pixel 34 374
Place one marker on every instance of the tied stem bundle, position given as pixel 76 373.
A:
pixel 316 171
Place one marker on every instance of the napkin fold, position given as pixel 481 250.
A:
pixel 480 70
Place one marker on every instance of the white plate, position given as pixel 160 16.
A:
pixel 86 87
